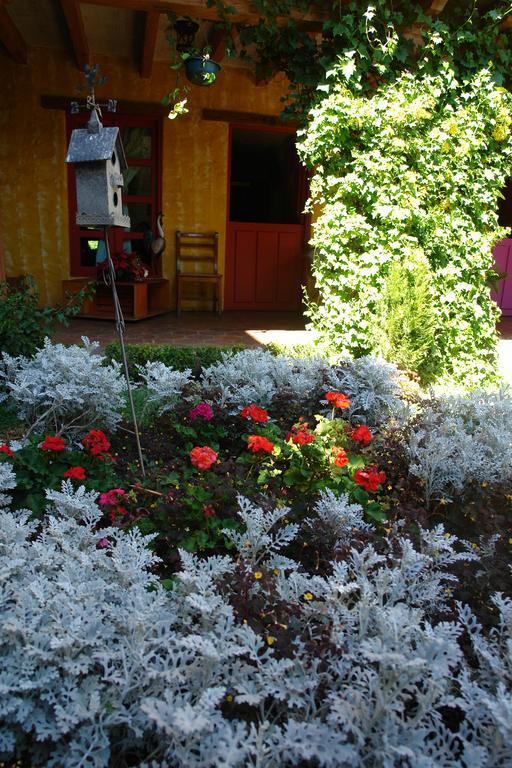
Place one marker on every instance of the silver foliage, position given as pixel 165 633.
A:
pixel 99 662
pixel 461 440
pixel 257 376
pixel 65 390
pixel 336 518
pixel 7 483
pixel 164 384
pixel 372 386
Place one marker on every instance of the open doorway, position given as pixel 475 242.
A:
pixel 265 243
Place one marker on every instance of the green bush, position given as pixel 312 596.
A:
pixel 408 318
pixel 179 358
pixel 23 323
pixel 415 170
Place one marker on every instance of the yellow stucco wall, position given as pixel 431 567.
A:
pixel 33 148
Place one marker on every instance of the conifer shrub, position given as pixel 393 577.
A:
pixel 408 318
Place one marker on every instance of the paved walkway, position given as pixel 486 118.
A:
pixel 248 328
pixel 196 329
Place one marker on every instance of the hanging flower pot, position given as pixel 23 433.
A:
pixel 201 70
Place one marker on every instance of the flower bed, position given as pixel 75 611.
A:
pixel 314 571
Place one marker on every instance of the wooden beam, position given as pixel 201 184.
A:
pixel 437 7
pixel 196 9
pixel 148 50
pixel 11 38
pixel 217 42
pixel 135 108
pixel 229 116
pixel 75 22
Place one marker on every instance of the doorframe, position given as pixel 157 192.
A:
pixel 305 218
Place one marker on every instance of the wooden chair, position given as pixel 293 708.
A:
pixel 200 249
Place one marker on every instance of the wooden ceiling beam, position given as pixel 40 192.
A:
pixel 243 14
pixel 11 38
pixel 148 49
pixel 217 42
pixel 76 28
pixel 436 7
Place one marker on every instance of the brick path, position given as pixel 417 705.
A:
pixel 248 328
pixel 196 329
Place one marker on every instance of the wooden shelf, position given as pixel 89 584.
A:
pixel 145 298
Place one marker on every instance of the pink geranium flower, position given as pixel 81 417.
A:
pixel 202 410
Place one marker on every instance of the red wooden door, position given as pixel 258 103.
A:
pixel 265 232
pixel 263 266
pixel 503 263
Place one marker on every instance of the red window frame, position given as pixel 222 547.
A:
pixel 117 235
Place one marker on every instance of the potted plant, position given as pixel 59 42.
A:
pixel 199 67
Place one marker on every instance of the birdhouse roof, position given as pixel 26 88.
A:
pixel 87 147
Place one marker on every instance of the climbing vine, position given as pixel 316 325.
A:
pixel 413 174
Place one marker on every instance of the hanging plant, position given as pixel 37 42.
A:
pixel 199 68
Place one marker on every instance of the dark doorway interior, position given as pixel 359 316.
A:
pixel 505 205
pixel 266 183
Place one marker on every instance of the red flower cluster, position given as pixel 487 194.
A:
pixel 128 266
pixel 361 435
pixel 115 498
pixel 299 434
pixel 53 443
pixel 257 444
pixel 208 511
pixel 77 473
pixel 96 442
pixel 338 399
pixel 203 457
pixel 4 448
pixel 370 478
pixel 255 413
pixel 340 458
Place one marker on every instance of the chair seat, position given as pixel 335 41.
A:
pixel 198 276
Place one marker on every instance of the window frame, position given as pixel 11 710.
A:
pixel 117 235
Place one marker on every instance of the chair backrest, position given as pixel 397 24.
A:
pixel 197 252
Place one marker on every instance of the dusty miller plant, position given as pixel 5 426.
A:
pixel 101 665
pixel 257 376
pixel 372 386
pixel 65 390
pixel 164 385
pixel 460 440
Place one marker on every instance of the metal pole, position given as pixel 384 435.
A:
pixel 120 326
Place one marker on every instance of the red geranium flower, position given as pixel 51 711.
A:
pixel 255 413
pixel 370 478
pixel 338 399
pixel 208 511
pixel 53 443
pixel 340 458
pixel 203 457
pixel 112 497
pixel 362 435
pixel 77 473
pixel 4 448
pixel 96 442
pixel 300 435
pixel 257 443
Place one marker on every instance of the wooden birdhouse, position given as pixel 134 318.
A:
pixel 98 156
